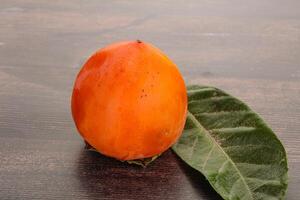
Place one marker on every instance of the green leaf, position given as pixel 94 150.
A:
pixel 232 147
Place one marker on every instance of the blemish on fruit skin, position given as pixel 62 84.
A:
pixel 143 95
pixel 166 133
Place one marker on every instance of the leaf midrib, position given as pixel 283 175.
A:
pixel 198 125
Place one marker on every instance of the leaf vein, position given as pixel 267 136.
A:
pixel 193 147
pixel 208 156
pixel 195 121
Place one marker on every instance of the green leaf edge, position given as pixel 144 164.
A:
pixel 258 117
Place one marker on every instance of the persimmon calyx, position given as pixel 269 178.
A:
pixel 141 162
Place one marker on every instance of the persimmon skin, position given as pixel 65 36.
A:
pixel 129 101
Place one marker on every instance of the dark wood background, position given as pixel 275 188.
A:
pixel 249 48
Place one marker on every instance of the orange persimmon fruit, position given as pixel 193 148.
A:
pixel 129 101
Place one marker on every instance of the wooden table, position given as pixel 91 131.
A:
pixel 251 49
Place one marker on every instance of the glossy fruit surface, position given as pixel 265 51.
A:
pixel 129 101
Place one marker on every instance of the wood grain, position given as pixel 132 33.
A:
pixel 250 49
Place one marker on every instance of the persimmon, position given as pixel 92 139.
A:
pixel 129 101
